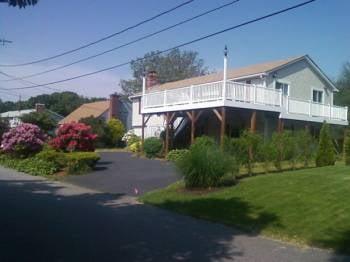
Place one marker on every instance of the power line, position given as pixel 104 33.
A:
pixel 103 38
pixel 178 46
pixel 126 44
pixel 27 81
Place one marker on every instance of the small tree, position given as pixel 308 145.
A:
pixel 283 148
pixel 4 127
pixel 23 140
pixel 116 130
pixel 347 147
pixel 100 128
pixel 248 147
pixel 305 146
pixel 325 155
pixel 74 137
pixel 42 120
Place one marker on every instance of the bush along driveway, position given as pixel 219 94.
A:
pixel 306 206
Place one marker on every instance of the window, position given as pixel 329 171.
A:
pixel 284 87
pixel 317 96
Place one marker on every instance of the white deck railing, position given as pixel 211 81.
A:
pixel 240 93
pixel 312 109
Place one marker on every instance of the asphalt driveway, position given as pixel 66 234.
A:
pixel 122 173
pixel 53 221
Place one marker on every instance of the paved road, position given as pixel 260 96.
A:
pixel 52 221
pixel 120 172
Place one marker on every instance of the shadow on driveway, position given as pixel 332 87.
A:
pixel 120 172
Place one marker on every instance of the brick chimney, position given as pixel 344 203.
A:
pixel 113 106
pixel 151 79
pixel 39 108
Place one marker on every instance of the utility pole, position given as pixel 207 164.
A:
pixel 4 41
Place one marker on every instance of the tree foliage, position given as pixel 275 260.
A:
pixel 347 147
pixel 116 130
pixel 343 84
pixel 4 127
pixel 42 120
pixel 20 3
pixel 325 155
pixel 175 65
pixel 62 103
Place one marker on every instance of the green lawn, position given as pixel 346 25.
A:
pixel 310 206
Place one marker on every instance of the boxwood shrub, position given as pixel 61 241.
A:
pixel 152 147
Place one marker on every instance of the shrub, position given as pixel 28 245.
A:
pixel 42 120
pixel 265 154
pixel 325 155
pixel 347 147
pixel 130 138
pixel 80 162
pixel 100 128
pixel 244 149
pixel 23 140
pixel 4 127
pixel 135 147
pixel 176 155
pixel 74 137
pixel 205 164
pixel 152 146
pixel 53 156
pixel 32 165
pixel 283 148
pixel 306 146
pixel 116 131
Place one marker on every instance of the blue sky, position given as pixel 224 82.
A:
pixel 319 29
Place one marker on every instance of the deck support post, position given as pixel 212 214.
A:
pixel 142 132
pixel 193 116
pixel 222 128
pixel 252 130
pixel 253 122
pixel 280 126
pixel 143 125
pixel 167 124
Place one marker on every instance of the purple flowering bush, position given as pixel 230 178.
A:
pixel 23 140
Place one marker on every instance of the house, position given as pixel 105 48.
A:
pixel 115 107
pixel 292 93
pixel 14 117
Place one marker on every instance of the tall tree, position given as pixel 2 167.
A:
pixel 343 84
pixel 172 66
pixel 62 103
pixel 20 3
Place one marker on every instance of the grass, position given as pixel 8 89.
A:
pixel 308 207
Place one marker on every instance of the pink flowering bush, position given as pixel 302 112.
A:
pixel 74 137
pixel 23 140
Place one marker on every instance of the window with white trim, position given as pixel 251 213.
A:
pixel 317 96
pixel 282 86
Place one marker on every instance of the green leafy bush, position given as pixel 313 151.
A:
pixel 347 147
pixel 53 156
pixel 43 120
pixel 80 162
pixel 283 148
pixel 205 164
pixel 244 149
pixel 135 147
pixel 325 155
pixel 73 163
pixel 306 146
pixel 152 146
pixel 265 154
pixel 176 155
pixel 116 131
pixel 32 165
